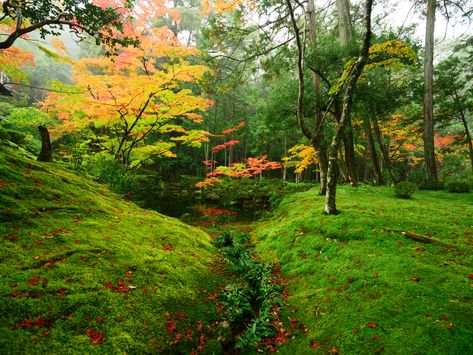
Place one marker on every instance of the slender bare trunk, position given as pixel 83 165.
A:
pixel 468 137
pixel 318 141
pixel 345 28
pixel 372 152
pixel 429 150
pixel 384 149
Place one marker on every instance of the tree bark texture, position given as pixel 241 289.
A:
pixel 345 27
pixel 332 173
pixel 46 153
pixel 428 134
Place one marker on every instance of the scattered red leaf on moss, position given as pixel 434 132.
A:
pixel 171 327
pixel 96 337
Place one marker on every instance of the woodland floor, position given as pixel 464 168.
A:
pixel 84 271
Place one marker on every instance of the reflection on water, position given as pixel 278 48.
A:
pixel 191 209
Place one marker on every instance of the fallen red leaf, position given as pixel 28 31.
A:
pixel 171 327
pixel 470 276
pixel 26 323
pixel 372 325
pixel 356 330
pixel 95 337
pixel 448 325
pixel 34 280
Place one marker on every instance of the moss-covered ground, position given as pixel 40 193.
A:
pixel 83 271
pixel 360 289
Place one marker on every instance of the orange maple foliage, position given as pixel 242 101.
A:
pixel 13 58
pixel 251 168
pixel 135 103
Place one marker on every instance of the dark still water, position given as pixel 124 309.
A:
pixel 190 209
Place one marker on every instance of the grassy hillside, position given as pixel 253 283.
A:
pixel 84 271
pixel 360 289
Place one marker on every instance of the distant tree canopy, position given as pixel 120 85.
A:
pixel 101 19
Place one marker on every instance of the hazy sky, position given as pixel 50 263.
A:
pixel 403 13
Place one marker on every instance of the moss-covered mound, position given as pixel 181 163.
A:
pixel 84 271
pixel 361 286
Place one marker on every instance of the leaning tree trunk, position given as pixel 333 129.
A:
pixel 46 153
pixel 330 203
pixel 428 134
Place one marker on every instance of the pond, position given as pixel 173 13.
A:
pixel 192 210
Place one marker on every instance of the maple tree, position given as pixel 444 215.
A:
pixel 136 105
pixel 301 157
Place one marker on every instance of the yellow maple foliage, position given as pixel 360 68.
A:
pixel 300 157
pixel 135 103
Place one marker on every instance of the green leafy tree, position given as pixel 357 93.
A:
pixel 102 20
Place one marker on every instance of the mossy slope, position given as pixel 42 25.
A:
pixel 361 289
pixel 80 265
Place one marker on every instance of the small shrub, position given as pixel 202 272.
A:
pixel 223 240
pixel 458 186
pixel 404 189
pixel 432 185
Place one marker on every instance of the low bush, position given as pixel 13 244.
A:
pixel 404 189
pixel 432 185
pixel 458 186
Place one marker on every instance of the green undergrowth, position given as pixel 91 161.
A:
pixel 84 271
pixel 361 286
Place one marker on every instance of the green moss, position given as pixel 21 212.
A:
pixel 348 271
pixel 65 244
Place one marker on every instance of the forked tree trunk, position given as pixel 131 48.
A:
pixel 330 203
pixel 428 134
pixel 46 153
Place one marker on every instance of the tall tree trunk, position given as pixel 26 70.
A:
pixel 372 152
pixel 345 28
pixel 46 153
pixel 330 202
pixel 429 151
pixel 317 141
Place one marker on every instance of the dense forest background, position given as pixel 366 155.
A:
pixel 234 90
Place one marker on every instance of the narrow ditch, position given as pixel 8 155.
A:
pixel 250 312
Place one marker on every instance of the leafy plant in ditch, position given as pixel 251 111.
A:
pixel 253 302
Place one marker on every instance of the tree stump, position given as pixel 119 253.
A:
pixel 46 153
